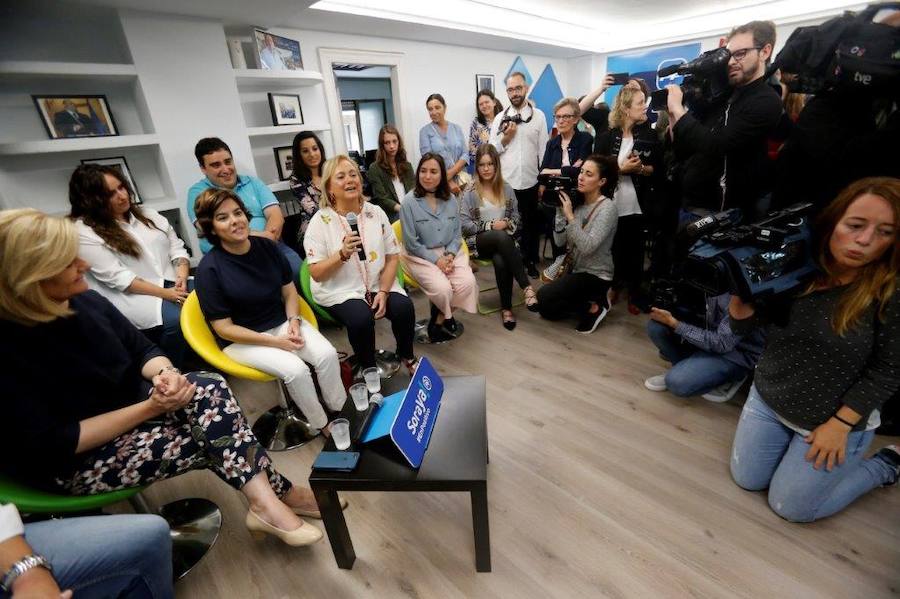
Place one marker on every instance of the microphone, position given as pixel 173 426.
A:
pixel 351 220
pixel 669 70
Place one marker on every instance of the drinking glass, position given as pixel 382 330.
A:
pixel 360 396
pixel 340 432
pixel 373 381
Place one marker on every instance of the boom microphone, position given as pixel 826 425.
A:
pixel 351 220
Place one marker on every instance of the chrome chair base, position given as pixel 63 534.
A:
pixel 386 362
pixel 421 332
pixel 194 525
pixel 281 429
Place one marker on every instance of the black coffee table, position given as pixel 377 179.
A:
pixel 456 460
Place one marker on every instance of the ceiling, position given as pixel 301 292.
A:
pixel 556 28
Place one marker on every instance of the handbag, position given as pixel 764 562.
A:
pixel 554 272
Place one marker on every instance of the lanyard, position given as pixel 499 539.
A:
pixel 363 269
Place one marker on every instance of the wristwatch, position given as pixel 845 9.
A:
pixel 25 564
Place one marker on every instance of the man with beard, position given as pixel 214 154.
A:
pixel 732 140
pixel 520 135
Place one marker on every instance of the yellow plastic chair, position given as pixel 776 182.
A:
pixel 279 429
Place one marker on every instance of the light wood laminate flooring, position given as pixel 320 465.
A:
pixel 597 488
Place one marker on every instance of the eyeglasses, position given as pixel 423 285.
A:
pixel 564 117
pixel 517 88
pixel 739 55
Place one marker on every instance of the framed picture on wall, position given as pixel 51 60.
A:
pixel 284 161
pixel 120 164
pixel 484 82
pixel 276 53
pixel 285 109
pixel 75 116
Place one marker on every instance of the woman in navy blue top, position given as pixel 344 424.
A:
pixel 247 294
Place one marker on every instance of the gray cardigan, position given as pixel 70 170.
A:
pixel 591 242
pixel 470 214
pixel 424 229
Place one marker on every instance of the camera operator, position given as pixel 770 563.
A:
pixel 710 360
pixel 845 132
pixel 519 134
pixel 588 231
pixel 828 367
pixel 731 138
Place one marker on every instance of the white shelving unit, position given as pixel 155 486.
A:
pixel 286 129
pixel 259 78
pixel 79 144
pixel 94 70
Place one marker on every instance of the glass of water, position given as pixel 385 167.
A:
pixel 340 432
pixel 360 396
pixel 373 381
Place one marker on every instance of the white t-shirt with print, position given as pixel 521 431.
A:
pixel 325 236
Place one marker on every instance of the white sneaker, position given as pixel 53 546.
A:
pixel 656 383
pixel 723 393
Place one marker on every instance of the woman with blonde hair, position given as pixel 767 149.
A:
pixel 110 411
pixel 354 275
pixel 831 362
pixel 489 218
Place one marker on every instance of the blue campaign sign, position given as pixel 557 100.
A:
pixel 409 417
pixel 645 64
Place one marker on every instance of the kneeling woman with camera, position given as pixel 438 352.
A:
pixel 587 231
pixel 828 367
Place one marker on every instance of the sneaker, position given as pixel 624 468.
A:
pixel 656 383
pixel 551 272
pixel 590 321
pixel 891 455
pixel 438 334
pixel 723 393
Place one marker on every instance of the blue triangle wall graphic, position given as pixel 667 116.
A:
pixel 518 65
pixel 546 93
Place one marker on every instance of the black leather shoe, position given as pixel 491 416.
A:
pixel 532 270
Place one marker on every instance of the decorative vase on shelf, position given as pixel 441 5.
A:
pixel 236 50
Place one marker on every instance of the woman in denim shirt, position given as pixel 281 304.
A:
pixel 447 140
pixel 434 256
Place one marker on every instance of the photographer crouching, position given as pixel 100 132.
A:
pixel 832 360
pixel 710 360
pixel 586 229
pixel 730 136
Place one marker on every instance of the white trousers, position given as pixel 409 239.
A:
pixel 291 367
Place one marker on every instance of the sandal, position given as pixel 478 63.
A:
pixel 509 320
pixel 531 301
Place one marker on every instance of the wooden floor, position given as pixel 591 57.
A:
pixel 597 488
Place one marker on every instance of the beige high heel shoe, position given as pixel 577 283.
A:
pixel 316 513
pixel 259 528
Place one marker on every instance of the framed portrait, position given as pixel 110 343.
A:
pixel 65 117
pixel 285 109
pixel 484 82
pixel 284 160
pixel 276 53
pixel 120 164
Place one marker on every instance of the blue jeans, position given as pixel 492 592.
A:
pixel 294 260
pixel 694 371
pixel 766 453
pixel 107 556
pixel 171 341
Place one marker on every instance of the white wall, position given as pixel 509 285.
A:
pixel 429 68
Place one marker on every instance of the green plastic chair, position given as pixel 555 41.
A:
pixel 306 290
pixel 34 501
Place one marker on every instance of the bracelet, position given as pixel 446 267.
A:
pixel 169 368
pixel 25 564
pixel 382 291
pixel 839 419
pixel 297 318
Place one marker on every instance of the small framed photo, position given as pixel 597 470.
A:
pixel 284 160
pixel 75 116
pixel 120 164
pixel 285 109
pixel 276 53
pixel 484 82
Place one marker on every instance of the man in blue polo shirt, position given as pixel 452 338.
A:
pixel 266 220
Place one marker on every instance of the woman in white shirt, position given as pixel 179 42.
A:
pixel 137 261
pixel 356 291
